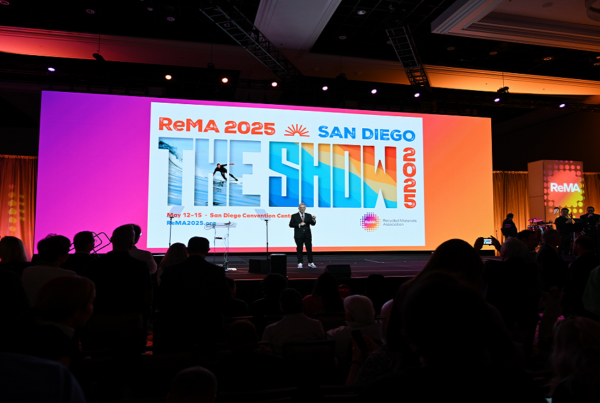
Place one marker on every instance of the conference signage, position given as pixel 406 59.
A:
pixel 360 174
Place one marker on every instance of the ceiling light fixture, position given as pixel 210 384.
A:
pixel 98 57
pixel 562 105
pixel 361 12
pixel 274 84
pixel 493 53
pixel 503 90
pixel 417 94
pixel 150 9
pixel 342 37
pixel 548 58
pixel 168 77
pixel 325 88
pixel 497 100
pixel 51 69
pixel 597 64
pixel 225 80
pixel 4 2
pixel 450 48
pixel 373 91
pixel 90 11
pixel 389 42
pixel 170 19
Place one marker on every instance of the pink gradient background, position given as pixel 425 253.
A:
pixel 94 156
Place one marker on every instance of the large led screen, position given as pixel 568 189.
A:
pixel 374 180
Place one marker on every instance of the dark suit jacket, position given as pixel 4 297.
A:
pixel 302 232
pixel 197 290
pixel 554 268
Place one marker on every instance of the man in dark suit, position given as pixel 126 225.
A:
pixel 301 223
pixel 193 295
pixel 590 223
pixel 579 273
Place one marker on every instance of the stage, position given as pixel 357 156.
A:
pixel 362 264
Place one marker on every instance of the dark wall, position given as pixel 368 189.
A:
pixel 560 135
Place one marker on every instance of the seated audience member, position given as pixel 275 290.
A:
pixel 53 251
pixel 194 294
pixel 176 253
pixel 31 379
pixel 376 291
pixel 325 297
pixel 554 275
pixel 12 255
pixel 246 369
pixel 576 361
pixel 449 326
pixel 272 286
pixel 591 295
pixel 84 244
pixel 360 315
pixel 193 385
pixel 123 294
pixel 512 287
pixel 238 307
pixel 579 273
pixel 13 300
pixel 62 305
pixel 379 361
pixel 295 326
pixel 530 239
pixel 144 255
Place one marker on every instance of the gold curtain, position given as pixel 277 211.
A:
pixel 18 176
pixel 511 195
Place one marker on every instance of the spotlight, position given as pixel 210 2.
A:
pixel 51 69
pixel 150 9
pixel 225 80
pixel 342 37
pixel 373 91
pixel 98 57
pixel 497 100
pixel 274 84
pixel 361 12
pixel 417 94
pixel 90 11
pixel 562 105
pixel 503 90
pixel 547 58
pixel 170 19
pixel 168 77
pixel 325 88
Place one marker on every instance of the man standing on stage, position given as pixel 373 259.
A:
pixel 565 227
pixel 508 226
pixel 590 223
pixel 301 223
pixel 223 170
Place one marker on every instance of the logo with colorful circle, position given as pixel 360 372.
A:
pixel 370 222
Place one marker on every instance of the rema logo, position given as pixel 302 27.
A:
pixel 370 222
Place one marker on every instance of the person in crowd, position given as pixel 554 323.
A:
pixel 590 223
pixel 272 286
pixel 325 297
pixel 579 273
pixel 194 294
pixel 84 244
pixel 247 369
pixel 12 255
pixel 377 360
pixel 376 291
pixel 124 295
pixel 63 305
pixel 238 307
pixel 591 295
pixel 31 379
pixel 479 243
pixel 460 260
pixel 144 255
pixel 565 227
pixel 53 251
pixel 295 326
pixel 512 286
pixel 360 315
pixel 554 276
pixel 576 361
pixel 509 229
pixel 176 253
pixel 530 239
pixel 448 324
pixel 193 385
pixel 13 300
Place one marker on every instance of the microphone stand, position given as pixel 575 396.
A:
pixel 170 230
pixel 267 222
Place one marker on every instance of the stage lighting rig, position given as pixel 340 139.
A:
pixel 503 90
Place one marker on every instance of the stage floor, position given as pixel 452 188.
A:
pixel 362 264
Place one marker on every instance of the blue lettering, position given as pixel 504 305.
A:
pixel 323 131
pixel 348 132
pixel 396 135
pixel 412 137
pixel 364 134
pixel 336 132
pixel 385 134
